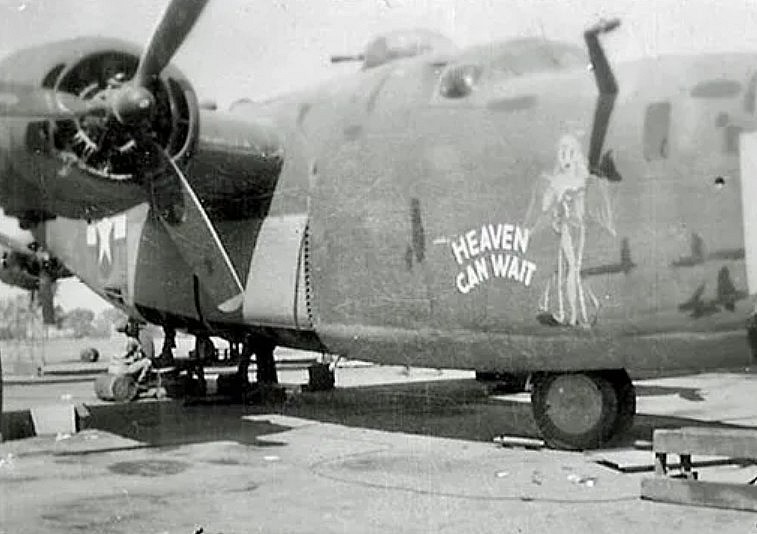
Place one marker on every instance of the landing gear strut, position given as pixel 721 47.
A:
pixel 204 352
pixel 583 410
pixel 266 365
pixel 266 387
pixel 169 343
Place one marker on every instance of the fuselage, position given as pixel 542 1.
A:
pixel 408 226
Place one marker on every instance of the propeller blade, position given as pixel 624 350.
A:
pixel 198 243
pixel 27 102
pixel 177 21
pixel 46 296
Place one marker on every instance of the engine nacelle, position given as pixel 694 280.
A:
pixel 96 164
pixel 84 167
pixel 17 270
pixel 235 165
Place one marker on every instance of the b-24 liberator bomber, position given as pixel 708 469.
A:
pixel 520 207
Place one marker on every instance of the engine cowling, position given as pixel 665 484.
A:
pixel 100 127
pixel 84 167
pixel 93 166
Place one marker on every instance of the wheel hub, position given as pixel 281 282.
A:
pixel 574 403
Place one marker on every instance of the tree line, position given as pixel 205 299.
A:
pixel 22 319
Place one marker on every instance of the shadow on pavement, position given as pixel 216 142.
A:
pixel 173 423
pixel 457 409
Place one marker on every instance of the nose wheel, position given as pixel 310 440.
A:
pixel 583 410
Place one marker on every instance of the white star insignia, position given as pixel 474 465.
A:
pixel 104 229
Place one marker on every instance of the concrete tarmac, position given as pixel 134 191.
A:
pixel 403 454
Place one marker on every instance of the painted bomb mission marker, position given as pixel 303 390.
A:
pixel 493 251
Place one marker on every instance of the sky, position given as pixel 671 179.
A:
pixel 259 48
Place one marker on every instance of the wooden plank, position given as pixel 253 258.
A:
pixel 647 466
pixel 735 443
pixel 697 493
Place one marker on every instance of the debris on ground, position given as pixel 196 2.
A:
pixel 582 480
pixel 517 441
pixel 7 461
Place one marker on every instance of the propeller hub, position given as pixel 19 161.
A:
pixel 132 104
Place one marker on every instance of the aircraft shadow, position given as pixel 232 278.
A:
pixel 459 409
pixel 173 423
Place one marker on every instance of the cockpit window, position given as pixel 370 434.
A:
pixel 656 131
pixel 458 81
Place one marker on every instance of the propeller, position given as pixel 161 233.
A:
pixel 183 216
pixel 131 106
pixel 130 101
pixel 134 101
pixel 191 230
pixel 178 20
pixel 27 102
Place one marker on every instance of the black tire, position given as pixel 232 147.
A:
pixel 589 429
pixel 89 354
pixel 124 388
pixel 626 394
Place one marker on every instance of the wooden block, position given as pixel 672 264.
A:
pixel 696 493
pixel 640 462
pixel 735 443
pixel 17 425
pixel 82 417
